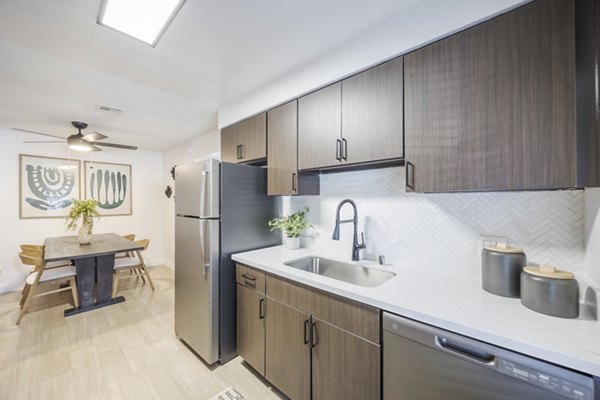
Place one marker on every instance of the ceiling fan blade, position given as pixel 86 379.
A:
pixel 37 133
pixel 43 141
pixel 94 137
pixel 96 148
pixel 118 146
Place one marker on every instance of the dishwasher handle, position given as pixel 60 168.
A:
pixel 465 351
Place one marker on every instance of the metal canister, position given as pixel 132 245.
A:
pixel 501 268
pixel 550 291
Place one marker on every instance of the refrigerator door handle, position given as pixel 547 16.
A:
pixel 205 246
pixel 204 195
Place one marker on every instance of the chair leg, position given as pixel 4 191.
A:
pixel 148 276
pixel 73 285
pixel 115 283
pixel 24 295
pixel 25 304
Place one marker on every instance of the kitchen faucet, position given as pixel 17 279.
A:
pixel 336 232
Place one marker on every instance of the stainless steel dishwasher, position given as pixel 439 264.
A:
pixel 421 362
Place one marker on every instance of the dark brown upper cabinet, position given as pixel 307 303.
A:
pixel 493 107
pixel 320 128
pixel 245 141
pixel 356 121
pixel 282 158
pixel 372 114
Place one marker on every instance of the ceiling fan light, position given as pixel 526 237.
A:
pixel 79 144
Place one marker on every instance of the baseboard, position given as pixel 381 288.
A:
pixel 168 264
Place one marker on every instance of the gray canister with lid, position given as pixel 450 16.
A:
pixel 501 268
pixel 551 291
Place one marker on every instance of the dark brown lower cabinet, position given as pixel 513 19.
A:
pixel 308 343
pixel 251 327
pixel 288 350
pixel 344 366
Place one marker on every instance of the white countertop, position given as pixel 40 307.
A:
pixel 447 293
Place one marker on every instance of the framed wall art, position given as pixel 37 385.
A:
pixel 47 186
pixel 110 184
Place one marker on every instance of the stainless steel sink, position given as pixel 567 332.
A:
pixel 347 272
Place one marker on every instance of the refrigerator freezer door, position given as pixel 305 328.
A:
pixel 197 189
pixel 197 285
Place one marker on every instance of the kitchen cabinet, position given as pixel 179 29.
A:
pixel 493 107
pixel 312 344
pixel 282 157
pixel 251 317
pixel 245 141
pixel 372 114
pixel 332 340
pixel 344 366
pixel 288 350
pixel 320 128
pixel 356 121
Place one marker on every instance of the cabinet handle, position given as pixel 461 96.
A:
pixel 261 309
pixel 294 180
pixel 410 176
pixel 338 149
pixel 306 331
pixel 313 336
pixel 238 150
pixel 345 149
pixel 249 281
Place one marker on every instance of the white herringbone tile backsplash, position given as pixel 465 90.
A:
pixel 549 225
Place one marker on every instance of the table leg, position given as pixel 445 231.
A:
pixel 104 277
pixel 86 281
pixel 94 283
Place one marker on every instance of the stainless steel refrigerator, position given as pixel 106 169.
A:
pixel 220 209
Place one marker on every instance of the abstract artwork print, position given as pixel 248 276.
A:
pixel 110 185
pixel 47 186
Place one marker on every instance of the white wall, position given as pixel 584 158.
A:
pixel 146 221
pixel 549 225
pixel 422 23
pixel 200 147
pixel 592 235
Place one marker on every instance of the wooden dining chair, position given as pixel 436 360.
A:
pixel 35 250
pixel 42 277
pixel 129 236
pixel 129 267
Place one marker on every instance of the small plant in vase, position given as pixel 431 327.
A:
pixel 86 209
pixel 292 226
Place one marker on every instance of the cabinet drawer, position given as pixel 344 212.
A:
pixel 354 317
pixel 250 277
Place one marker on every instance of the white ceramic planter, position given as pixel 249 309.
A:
pixel 292 243
pixel 84 236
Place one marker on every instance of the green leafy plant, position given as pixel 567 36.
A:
pixel 86 209
pixel 292 225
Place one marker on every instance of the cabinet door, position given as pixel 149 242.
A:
pixel 493 107
pixel 251 327
pixel 372 114
pixel 229 141
pixel 344 366
pixel 282 160
pixel 287 350
pixel 319 128
pixel 252 136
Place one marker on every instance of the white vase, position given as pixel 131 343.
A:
pixel 292 243
pixel 85 235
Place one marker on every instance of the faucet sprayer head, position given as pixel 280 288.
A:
pixel 336 232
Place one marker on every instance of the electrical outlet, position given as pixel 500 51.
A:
pixel 486 240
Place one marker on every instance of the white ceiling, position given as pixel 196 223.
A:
pixel 57 64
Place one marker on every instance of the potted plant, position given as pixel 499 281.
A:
pixel 291 225
pixel 86 209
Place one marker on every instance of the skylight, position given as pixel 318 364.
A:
pixel 145 20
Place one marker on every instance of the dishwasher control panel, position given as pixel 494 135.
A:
pixel 570 390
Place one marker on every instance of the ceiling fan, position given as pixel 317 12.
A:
pixel 79 141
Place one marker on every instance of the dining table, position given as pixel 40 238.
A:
pixel 94 264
